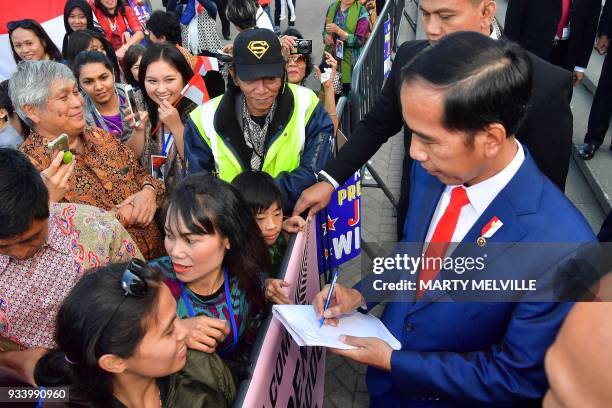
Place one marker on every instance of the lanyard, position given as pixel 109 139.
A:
pixel 166 143
pixel 228 302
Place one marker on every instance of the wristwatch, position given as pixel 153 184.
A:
pixel 322 179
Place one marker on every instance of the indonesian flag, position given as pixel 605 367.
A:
pixel 49 13
pixel 205 64
pixel 195 90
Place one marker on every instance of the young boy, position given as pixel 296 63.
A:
pixel 265 202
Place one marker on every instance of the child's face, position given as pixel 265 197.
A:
pixel 270 223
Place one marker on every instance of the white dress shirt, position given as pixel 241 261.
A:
pixel 480 196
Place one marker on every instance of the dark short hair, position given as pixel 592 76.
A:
pixel 166 24
pixel 80 40
pixel 484 81
pixel 242 13
pixel 171 55
pixel 307 57
pixel 23 194
pixel 32 25
pixel 259 190
pixel 90 57
pixel 131 57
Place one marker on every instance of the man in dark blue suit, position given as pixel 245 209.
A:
pixel 463 99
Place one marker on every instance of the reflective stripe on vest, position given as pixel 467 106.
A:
pixel 285 152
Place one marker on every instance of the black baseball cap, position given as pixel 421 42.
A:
pixel 257 54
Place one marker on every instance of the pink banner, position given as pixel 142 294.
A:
pixel 285 374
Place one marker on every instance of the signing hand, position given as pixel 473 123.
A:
pixel 276 293
pixel 344 300
pixel 144 206
pixel 169 116
pixel 205 333
pixel 370 351
pixel 56 177
pixel 293 225
pixel 314 197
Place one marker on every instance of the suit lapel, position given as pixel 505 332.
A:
pixel 519 197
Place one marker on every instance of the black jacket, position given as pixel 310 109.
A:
pixel 605 22
pixel 546 130
pixel 533 24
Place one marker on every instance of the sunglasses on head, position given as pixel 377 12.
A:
pixel 26 23
pixel 132 284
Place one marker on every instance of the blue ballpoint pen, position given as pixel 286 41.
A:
pixel 329 295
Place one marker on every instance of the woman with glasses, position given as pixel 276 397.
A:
pixel 89 40
pixel 120 344
pixel 30 42
pixel 299 67
pixel 119 23
pixel 216 260
pixel 106 102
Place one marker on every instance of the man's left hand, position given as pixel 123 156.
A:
pixel 370 350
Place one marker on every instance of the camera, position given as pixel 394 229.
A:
pixel 302 47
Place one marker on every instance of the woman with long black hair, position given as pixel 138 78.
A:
pixel 77 16
pixel 163 74
pixel 121 345
pixel 217 258
pixel 119 23
pixel 30 42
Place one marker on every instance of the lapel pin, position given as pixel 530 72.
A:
pixel 488 230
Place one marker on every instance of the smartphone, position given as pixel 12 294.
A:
pixel 223 56
pixel 302 47
pixel 60 143
pixel 131 101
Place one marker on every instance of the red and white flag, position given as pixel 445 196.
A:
pixel 195 90
pixel 205 64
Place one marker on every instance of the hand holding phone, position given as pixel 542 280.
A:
pixel 131 103
pixel 56 177
pixel 60 144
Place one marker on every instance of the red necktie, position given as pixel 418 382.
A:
pixel 565 14
pixel 441 238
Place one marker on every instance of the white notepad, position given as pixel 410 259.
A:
pixel 302 323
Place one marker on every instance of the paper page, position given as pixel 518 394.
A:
pixel 302 323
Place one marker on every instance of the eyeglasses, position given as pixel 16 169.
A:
pixel 294 59
pixel 25 23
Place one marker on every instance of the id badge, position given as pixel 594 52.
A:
pixel 158 166
pixel 340 49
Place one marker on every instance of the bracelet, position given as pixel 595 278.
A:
pixel 333 114
pixel 150 186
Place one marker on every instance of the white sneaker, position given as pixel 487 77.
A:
pixel 292 18
pixel 283 16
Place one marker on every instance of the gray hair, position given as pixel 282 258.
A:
pixel 31 84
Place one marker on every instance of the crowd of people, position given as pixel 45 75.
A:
pixel 139 259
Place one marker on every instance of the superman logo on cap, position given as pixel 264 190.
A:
pixel 258 48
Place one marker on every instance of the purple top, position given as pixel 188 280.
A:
pixel 114 124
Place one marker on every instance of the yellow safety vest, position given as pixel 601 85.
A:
pixel 285 152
